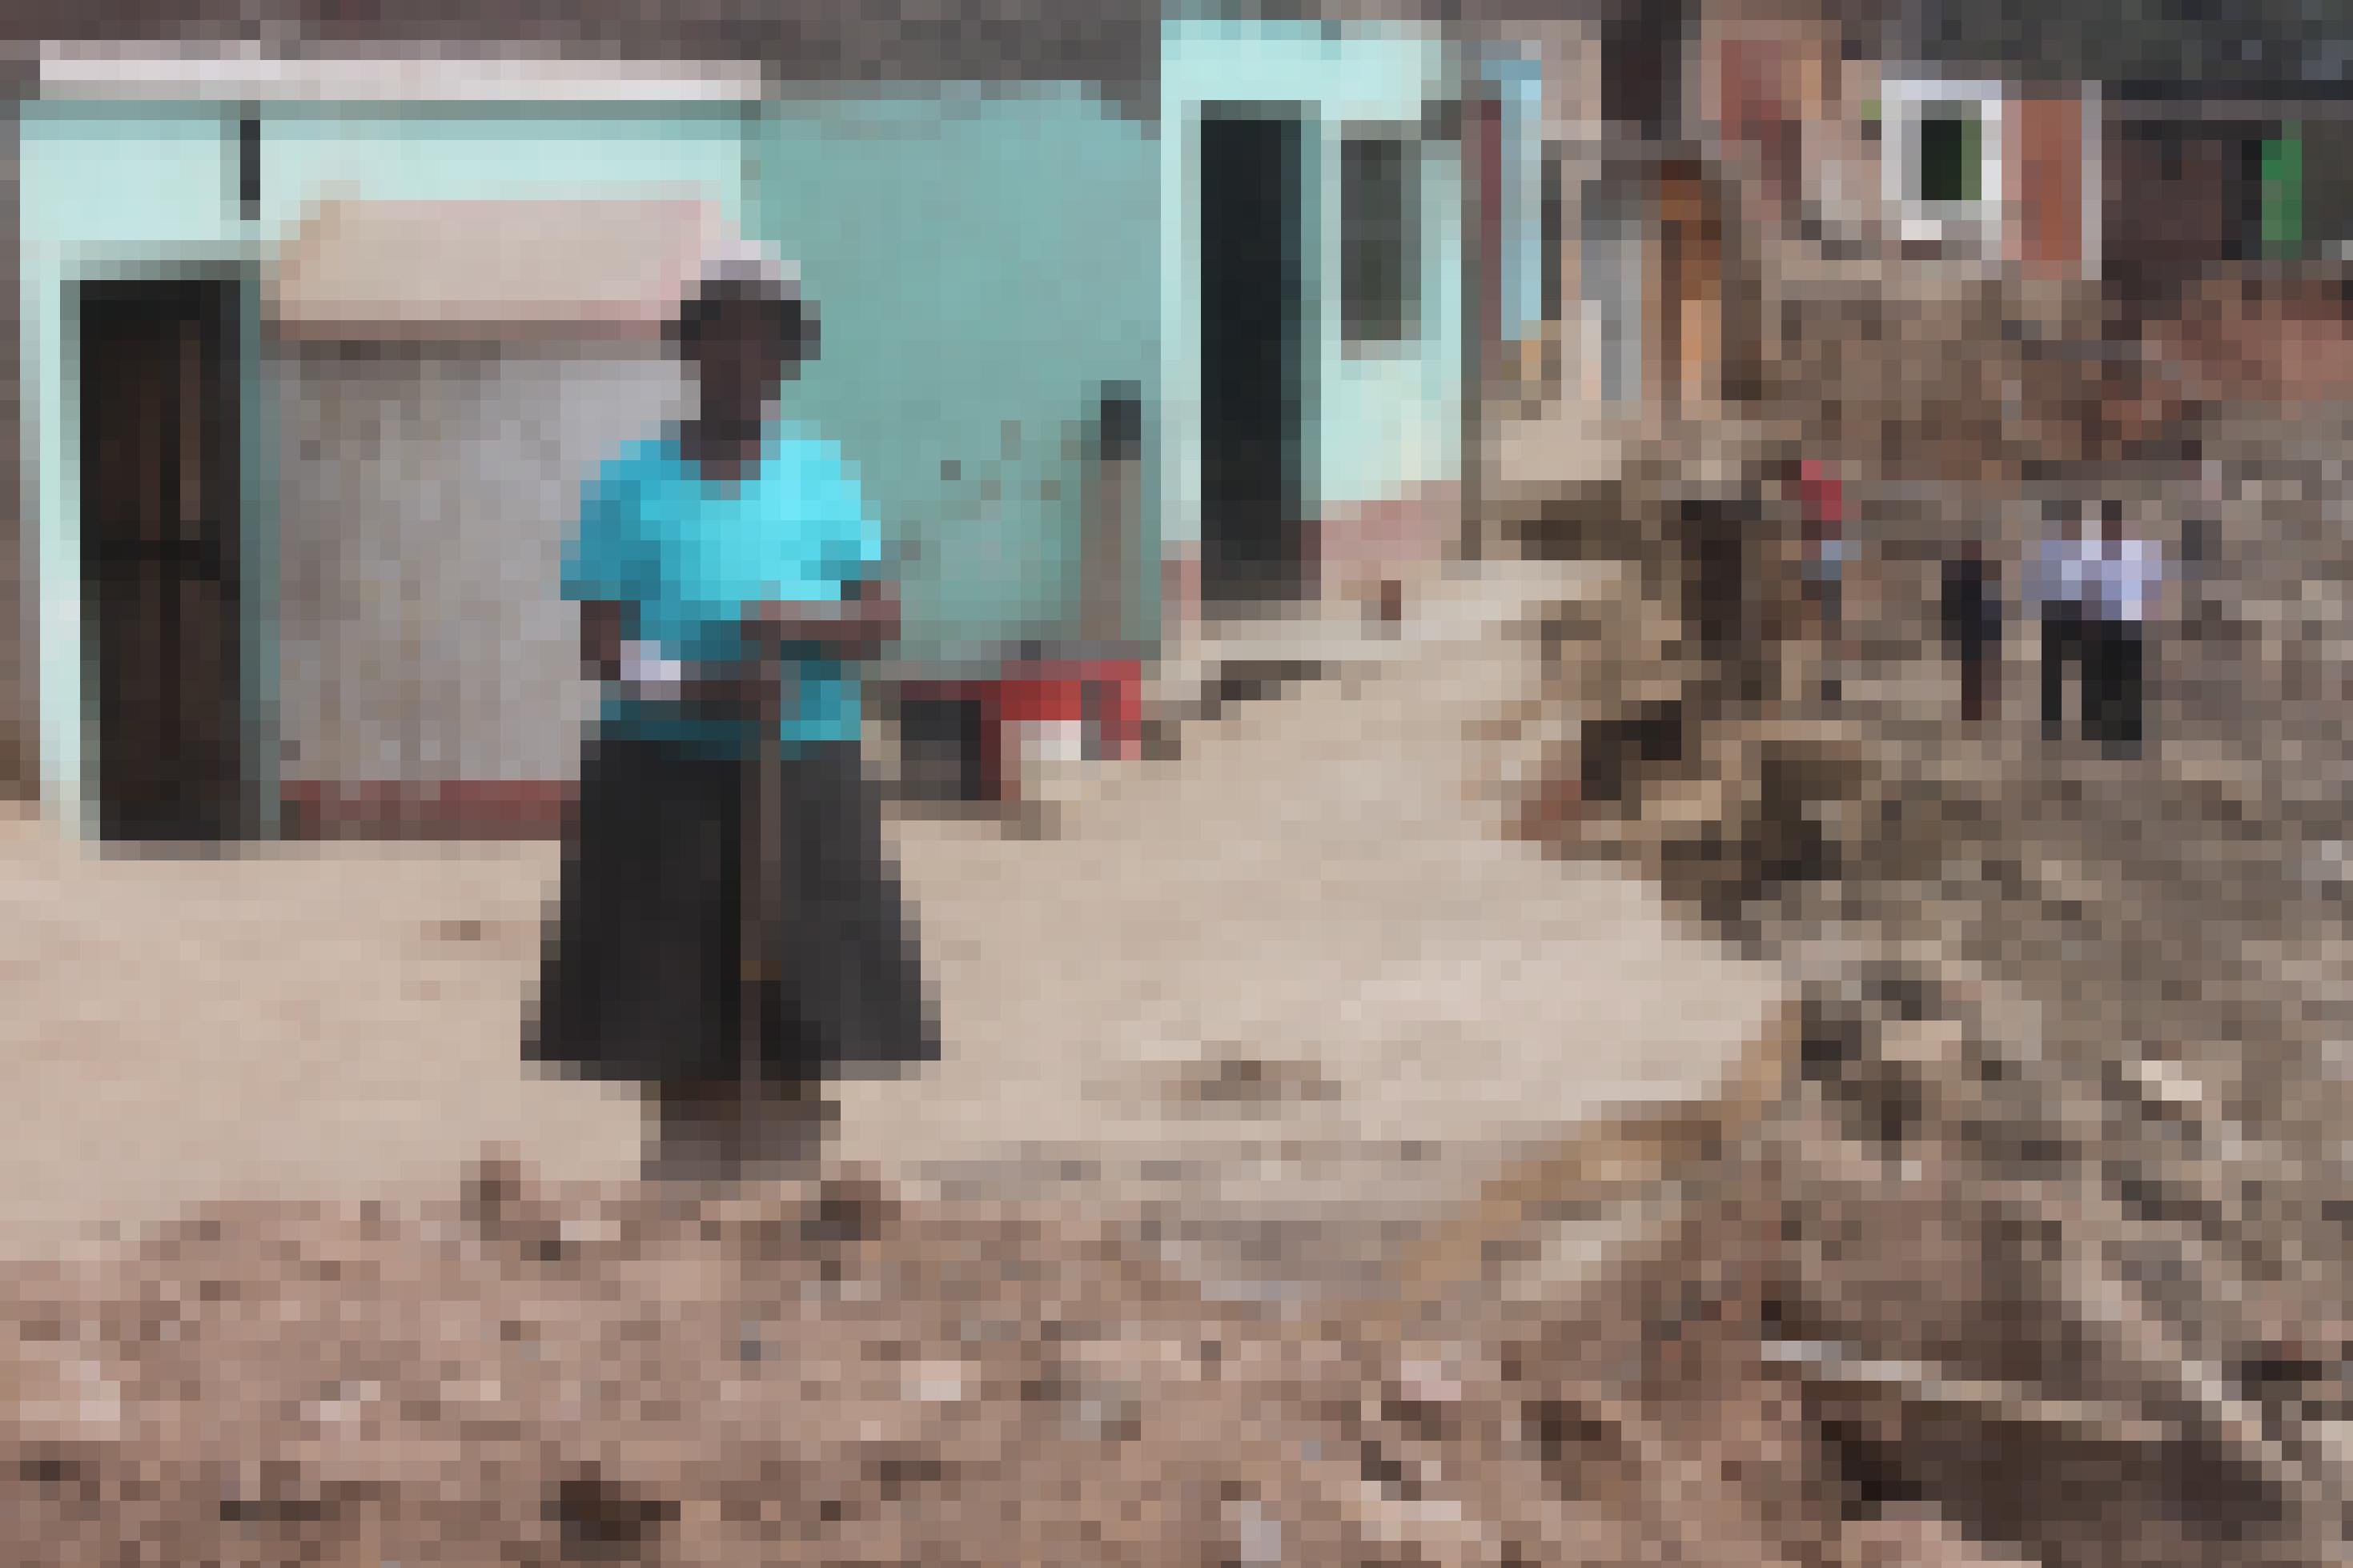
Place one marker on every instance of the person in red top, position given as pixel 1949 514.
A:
pixel 1822 500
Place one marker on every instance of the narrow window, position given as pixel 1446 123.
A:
pixel 1552 237
pixel 1380 241
pixel 249 167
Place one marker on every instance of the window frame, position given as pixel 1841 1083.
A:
pixel 1907 107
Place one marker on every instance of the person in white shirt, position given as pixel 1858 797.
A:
pixel 2121 578
pixel 2056 588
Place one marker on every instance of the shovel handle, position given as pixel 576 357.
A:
pixel 762 838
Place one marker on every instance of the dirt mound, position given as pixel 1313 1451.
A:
pixel 1871 1315
pixel 836 1373
pixel 2062 1280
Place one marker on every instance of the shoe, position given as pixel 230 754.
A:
pixel 787 1137
pixel 696 1143
pixel 697 1162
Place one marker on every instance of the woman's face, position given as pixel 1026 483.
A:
pixel 741 361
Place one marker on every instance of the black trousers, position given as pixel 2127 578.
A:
pixel 2066 641
pixel 2118 688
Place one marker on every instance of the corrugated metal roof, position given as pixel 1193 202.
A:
pixel 365 270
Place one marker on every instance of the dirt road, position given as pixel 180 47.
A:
pixel 1286 955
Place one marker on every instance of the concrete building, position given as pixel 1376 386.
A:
pixel 316 348
pixel 1310 308
pixel 316 355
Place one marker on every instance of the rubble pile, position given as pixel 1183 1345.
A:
pixel 2103 1261
pixel 1830 1334
pixel 1906 1295
pixel 1943 374
pixel 842 1375
pixel 1663 727
pixel 822 1374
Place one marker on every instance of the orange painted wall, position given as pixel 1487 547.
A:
pixel 2045 182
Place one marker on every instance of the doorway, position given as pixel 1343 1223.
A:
pixel 160 506
pixel 1253 382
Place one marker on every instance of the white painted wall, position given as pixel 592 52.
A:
pixel 425 499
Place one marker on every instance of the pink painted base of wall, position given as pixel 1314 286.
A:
pixel 459 809
pixel 1357 547
pixel 1350 551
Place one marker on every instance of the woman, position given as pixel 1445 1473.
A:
pixel 728 578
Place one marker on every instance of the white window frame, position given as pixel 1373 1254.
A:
pixel 1904 105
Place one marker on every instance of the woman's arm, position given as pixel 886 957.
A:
pixel 717 691
pixel 602 628
pixel 858 627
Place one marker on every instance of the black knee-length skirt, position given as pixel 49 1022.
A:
pixel 641 976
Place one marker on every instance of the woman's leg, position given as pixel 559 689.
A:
pixel 2055 653
pixel 784 1132
pixel 2127 695
pixel 713 1132
pixel 2099 679
pixel 698 1134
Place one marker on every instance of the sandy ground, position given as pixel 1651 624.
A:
pixel 1308 890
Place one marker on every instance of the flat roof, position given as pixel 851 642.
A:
pixel 388 271
pixel 108 72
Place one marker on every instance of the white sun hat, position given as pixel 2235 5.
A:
pixel 734 262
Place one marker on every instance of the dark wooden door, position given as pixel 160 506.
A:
pixel 1253 493
pixel 160 568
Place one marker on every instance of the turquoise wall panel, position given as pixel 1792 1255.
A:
pixel 984 266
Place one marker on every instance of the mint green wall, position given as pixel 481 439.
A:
pixel 978 262
pixel 112 191
pixel 1385 420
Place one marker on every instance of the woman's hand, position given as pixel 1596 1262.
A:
pixel 755 690
pixel 859 627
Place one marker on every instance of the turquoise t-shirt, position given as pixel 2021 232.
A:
pixel 686 556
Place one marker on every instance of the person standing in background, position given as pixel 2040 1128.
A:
pixel 1821 499
pixel 1971 602
pixel 2056 588
pixel 2121 576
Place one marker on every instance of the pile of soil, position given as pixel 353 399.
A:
pixel 2121 1231
pixel 842 1374
pixel 1843 1332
